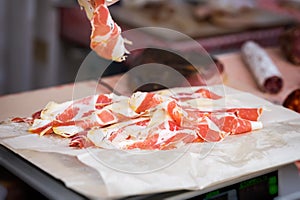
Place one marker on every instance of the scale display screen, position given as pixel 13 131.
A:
pixel 261 187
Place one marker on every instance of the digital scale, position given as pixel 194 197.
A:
pixel 274 177
pixel 280 184
pixel 261 187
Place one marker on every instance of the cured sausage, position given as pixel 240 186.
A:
pixel 265 72
pixel 289 42
pixel 293 101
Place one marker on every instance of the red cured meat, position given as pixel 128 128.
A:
pixel 148 121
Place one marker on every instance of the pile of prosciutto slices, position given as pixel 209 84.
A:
pixel 151 121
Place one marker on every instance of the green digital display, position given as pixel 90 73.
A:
pixel 212 194
pixel 252 182
pixel 273 185
pixel 261 187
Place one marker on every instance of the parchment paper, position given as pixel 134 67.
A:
pixel 196 166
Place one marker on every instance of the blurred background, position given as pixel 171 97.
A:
pixel 43 43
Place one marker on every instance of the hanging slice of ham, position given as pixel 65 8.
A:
pixel 106 38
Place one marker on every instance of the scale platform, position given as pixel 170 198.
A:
pixel 277 184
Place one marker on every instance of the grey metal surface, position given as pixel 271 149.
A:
pixel 289 183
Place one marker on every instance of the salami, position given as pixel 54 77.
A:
pixel 265 72
pixel 292 101
pixel 289 43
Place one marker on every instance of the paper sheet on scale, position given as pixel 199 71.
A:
pixel 195 166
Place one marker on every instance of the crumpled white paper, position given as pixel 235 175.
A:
pixel 230 159
pixel 195 166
